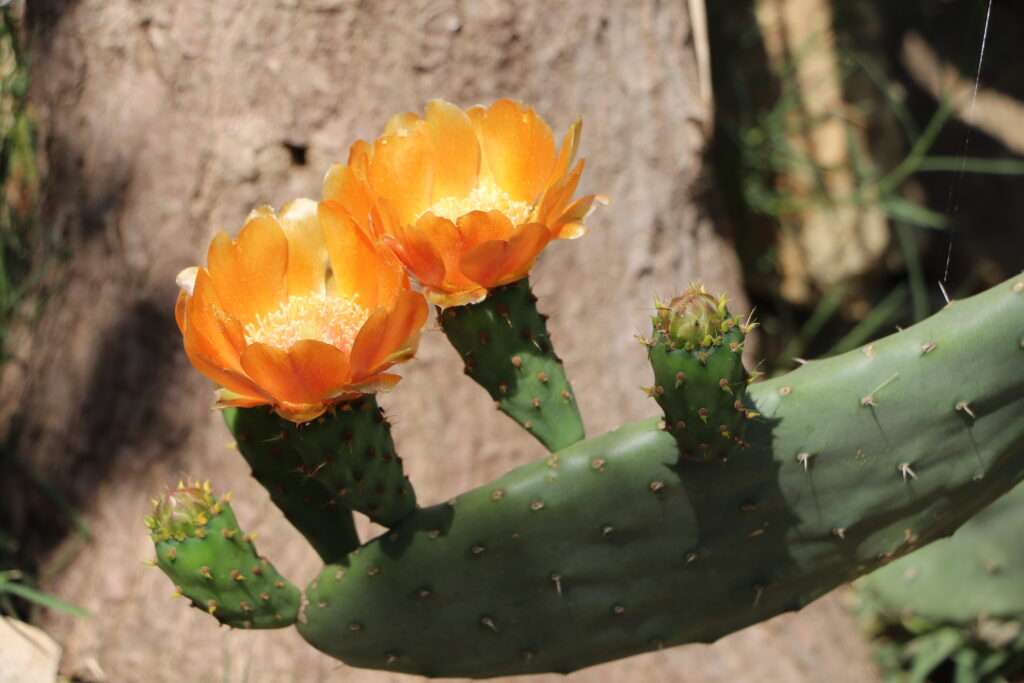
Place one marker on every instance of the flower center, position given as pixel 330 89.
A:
pixel 330 319
pixel 484 197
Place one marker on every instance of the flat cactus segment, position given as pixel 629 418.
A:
pixel 348 452
pixel 305 502
pixel 967 591
pixel 201 548
pixel 505 346
pixel 616 545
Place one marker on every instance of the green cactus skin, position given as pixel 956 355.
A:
pixel 958 603
pixel 201 548
pixel 696 352
pixel 616 545
pixel 505 346
pixel 347 451
pixel 305 502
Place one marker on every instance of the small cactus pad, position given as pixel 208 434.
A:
pixel 214 564
pixel 505 346
pixel 957 604
pixel 613 547
pixel 307 503
pixel 696 351
pixel 348 451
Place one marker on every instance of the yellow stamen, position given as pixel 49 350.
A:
pixel 331 319
pixel 484 197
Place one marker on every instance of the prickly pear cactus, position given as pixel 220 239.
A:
pixel 617 545
pixel 214 564
pixel 955 607
pixel 505 346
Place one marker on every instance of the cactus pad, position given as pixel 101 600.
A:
pixel 200 546
pixel 505 346
pixel 699 381
pixel 347 451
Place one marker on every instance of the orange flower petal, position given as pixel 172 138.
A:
pixel 341 184
pixel 307 254
pixel 272 370
pixel 300 412
pixel 477 227
pixel 321 368
pixel 362 271
pixel 234 381
pixel 558 195
pixel 402 170
pixel 180 305
pixel 519 149
pixel 442 299
pixel 209 329
pixel 249 272
pixel 388 336
pixel 456 150
pixel 229 399
pixel 401 124
pixel 570 224
pixel 570 144
pixel 415 247
pixel 499 262
pixel 376 384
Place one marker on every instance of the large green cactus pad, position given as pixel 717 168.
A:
pixel 615 546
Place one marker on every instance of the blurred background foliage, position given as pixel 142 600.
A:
pixel 25 260
pixel 851 165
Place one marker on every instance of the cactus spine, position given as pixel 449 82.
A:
pixel 506 348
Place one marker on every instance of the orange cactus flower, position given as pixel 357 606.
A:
pixel 466 199
pixel 297 313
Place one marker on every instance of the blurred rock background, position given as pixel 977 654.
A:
pixel 800 155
